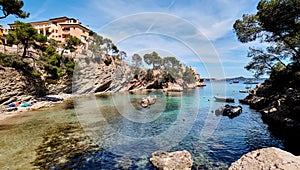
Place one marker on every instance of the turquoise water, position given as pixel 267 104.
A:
pixel 127 134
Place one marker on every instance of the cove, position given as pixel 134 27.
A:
pixel 112 132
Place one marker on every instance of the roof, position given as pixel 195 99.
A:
pixel 75 24
pixel 64 18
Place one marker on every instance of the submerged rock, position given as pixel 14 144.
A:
pixel 267 158
pixel 172 160
pixel 147 101
pixel 228 110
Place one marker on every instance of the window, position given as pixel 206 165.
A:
pixel 83 38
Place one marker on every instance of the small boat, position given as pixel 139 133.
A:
pixel 223 99
pixel 235 81
pixel 251 82
pixel 244 91
pixel 247 87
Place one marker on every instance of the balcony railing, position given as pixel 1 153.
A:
pixel 66 32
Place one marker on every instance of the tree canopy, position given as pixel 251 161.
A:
pixel 12 7
pixel 277 23
pixel 99 44
pixel 24 34
pixel 171 62
pixel 70 44
pixel 137 60
pixel 153 59
pixel 96 42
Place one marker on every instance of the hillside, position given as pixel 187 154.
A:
pixel 278 100
pixel 27 81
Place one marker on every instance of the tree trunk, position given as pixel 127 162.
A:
pixel 62 52
pixel 25 50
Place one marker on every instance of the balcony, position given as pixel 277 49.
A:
pixel 66 32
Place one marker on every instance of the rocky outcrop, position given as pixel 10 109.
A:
pixel 93 74
pixel 174 88
pixel 278 100
pixel 179 160
pixel 147 101
pixel 199 82
pixel 14 86
pixel 228 110
pixel 267 158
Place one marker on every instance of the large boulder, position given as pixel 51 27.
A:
pixel 172 160
pixel 147 101
pixel 174 88
pixel 230 111
pixel 267 158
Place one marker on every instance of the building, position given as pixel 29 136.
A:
pixel 3 32
pixel 60 28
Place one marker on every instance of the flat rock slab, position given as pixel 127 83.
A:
pixel 163 160
pixel 267 159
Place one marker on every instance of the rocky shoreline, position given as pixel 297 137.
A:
pixel 34 104
pixel 279 109
pixel 264 159
pixel 267 158
pixel 92 76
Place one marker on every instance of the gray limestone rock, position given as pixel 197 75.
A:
pixel 266 159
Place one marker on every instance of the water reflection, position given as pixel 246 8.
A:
pixel 127 143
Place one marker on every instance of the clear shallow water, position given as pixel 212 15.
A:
pixel 129 134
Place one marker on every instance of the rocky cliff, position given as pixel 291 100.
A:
pixel 278 100
pixel 98 73
pixel 15 86
pixel 93 73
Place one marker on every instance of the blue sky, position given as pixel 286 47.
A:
pixel 198 32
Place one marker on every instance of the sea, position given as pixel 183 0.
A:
pixel 127 134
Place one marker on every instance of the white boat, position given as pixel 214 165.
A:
pixel 235 81
pixel 244 91
pixel 251 82
pixel 223 99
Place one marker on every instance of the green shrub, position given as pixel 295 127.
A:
pixel 50 50
pixel 36 74
pixel 188 76
pixel 70 65
pixel 6 60
pixel 59 71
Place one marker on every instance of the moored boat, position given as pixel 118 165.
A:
pixel 223 99
pixel 235 81
pixel 251 82
pixel 244 91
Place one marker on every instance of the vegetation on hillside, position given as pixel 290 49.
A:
pixel 277 24
pixel 24 34
pixel 44 59
pixel 171 69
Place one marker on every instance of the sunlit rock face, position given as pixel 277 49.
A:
pixel 267 158
pixel 172 160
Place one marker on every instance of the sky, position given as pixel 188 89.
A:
pixel 198 32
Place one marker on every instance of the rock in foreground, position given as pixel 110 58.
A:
pixel 267 158
pixel 172 160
